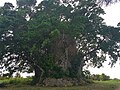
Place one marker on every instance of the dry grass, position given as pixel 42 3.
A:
pixel 106 85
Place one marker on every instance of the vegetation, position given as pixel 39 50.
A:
pixel 101 85
pixel 55 39
pixel 16 81
pixel 97 77
pixel 107 2
pixel 101 77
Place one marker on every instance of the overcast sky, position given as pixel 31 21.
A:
pixel 112 17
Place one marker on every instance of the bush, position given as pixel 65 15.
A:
pixel 2 85
pixel 101 77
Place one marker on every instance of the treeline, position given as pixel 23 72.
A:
pixel 99 77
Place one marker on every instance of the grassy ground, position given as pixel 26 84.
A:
pixel 106 85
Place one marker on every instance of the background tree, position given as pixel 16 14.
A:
pixel 99 77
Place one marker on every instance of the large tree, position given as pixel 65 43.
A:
pixel 56 38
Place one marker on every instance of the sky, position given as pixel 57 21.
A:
pixel 112 18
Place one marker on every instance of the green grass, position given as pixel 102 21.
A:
pixel 16 81
pixel 101 85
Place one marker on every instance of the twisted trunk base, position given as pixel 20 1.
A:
pixel 38 75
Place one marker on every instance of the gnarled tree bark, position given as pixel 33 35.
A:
pixel 38 75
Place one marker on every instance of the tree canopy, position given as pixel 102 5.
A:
pixel 107 2
pixel 56 38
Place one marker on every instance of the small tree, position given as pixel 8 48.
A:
pixel 17 75
pixel 104 77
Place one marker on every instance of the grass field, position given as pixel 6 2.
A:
pixel 101 85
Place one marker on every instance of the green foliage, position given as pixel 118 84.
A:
pixel 26 3
pixel 116 79
pixel 57 72
pixel 55 34
pixel 101 77
pixel 38 37
pixel 16 81
pixel 87 74
pixel 104 77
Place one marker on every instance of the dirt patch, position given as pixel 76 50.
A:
pixel 61 82
pixel 118 88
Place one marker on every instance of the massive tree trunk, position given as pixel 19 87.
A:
pixel 38 74
pixel 80 62
pixel 80 73
pixel 64 49
pixel 66 61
